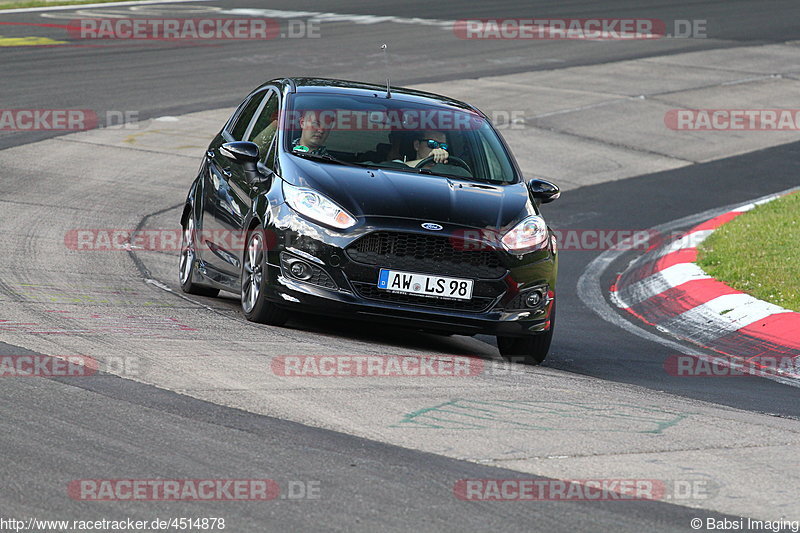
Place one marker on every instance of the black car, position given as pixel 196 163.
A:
pixel 372 202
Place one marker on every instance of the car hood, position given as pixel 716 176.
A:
pixel 381 192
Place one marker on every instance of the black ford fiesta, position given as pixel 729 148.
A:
pixel 363 201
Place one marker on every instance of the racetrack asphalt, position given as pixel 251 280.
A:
pixel 208 76
pixel 69 429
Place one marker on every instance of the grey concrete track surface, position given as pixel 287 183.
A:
pixel 105 427
pixel 542 421
pixel 62 301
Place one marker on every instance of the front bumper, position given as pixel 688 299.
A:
pixel 343 294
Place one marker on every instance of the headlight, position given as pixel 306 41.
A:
pixel 527 236
pixel 317 207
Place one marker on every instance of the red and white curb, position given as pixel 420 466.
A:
pixel 665 288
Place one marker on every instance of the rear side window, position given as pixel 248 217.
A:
pixel 265 126
pixel 239 126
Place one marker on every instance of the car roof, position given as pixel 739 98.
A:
pixel 357 88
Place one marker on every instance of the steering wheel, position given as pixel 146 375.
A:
pixel 451 160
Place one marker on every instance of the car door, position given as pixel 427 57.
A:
pixel 234 197
pixel 224 203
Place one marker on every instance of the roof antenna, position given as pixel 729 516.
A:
pixel 386 66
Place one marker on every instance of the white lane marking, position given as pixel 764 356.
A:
pixel 338 17
pixel 591 294
pixel 163 287
pixel 752 205
pixel 167 9
pixel 583 107
pixel 744 208
pixel 742 309
pixel 659 282
pixel 151 9
pixel 89 6
pixel 677 274
pixel 693 239
pixel 88 14
pixel 721 316
pixel 690 240
pixel 641 290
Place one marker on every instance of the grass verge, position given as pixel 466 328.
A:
pixel 758 252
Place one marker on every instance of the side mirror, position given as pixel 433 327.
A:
pixel 246 154
pixel 240 152
pixel 543 191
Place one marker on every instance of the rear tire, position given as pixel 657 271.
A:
pixel 187 262
pixel 255 305
pixel 531 350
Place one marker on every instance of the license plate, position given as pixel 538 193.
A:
pixel 425 285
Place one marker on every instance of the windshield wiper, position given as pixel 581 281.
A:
pixel 429 172
pixel 327 158
pixel 455 176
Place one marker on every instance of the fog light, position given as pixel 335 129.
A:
pixel 533 299
pixel 300 270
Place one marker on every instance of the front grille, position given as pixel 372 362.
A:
pixel 372 292
pixel 424 253
pixel 319 277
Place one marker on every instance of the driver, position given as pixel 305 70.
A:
pixel 314 132
pixel 430 143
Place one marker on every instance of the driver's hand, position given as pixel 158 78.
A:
pixel 439 155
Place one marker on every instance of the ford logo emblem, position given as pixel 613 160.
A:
pixel 431 226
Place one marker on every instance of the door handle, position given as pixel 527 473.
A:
pixel 227 172
pixel 210 154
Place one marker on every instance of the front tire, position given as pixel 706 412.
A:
pixel 187 262
pixel 255 306
pixel 530 350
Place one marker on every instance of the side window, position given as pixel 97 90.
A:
pixel 266 125
pixel 497 161
pixel 495 168
pixel 239 127
pixel 269 159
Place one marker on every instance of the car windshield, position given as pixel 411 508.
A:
pixel 396 134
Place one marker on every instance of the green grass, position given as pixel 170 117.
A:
pixel 42 3
pixel 758 252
